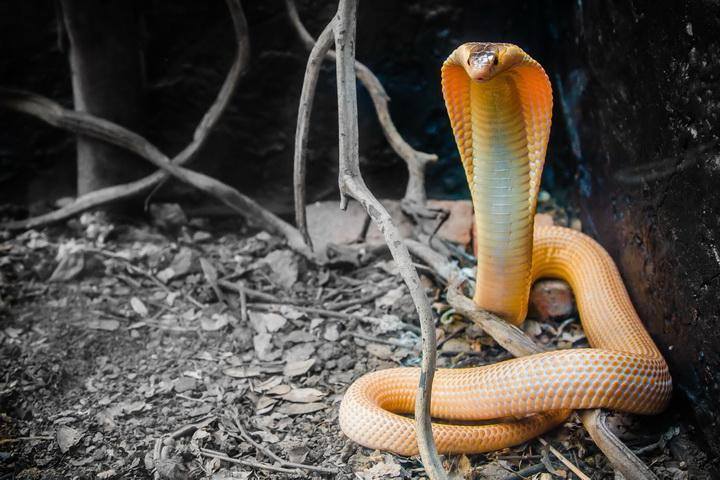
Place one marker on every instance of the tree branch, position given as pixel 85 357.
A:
pixel 128 190
pixel 415 160
pixel 307 97
pixel 352 184
pixel 85 124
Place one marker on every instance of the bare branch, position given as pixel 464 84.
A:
pixel 85 124
pixel 620 456
pixel 352 184
pixel 128 190
pixel 415 160
pixel 307 96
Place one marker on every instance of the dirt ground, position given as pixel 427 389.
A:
pixel 206 350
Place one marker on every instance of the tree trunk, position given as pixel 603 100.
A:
pixel 107 79
pixel 649 170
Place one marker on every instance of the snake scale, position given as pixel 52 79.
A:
pixel 500 105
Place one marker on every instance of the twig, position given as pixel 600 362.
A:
pixel 307 97
pixel 629 465
pixel 128 190
pixel 564 460
pixel 257 294
pixel 518 344
pixel 244 435
pixel 527 472
pixel 352 184
pixel 415 160
pixel 145 273
pixel 248 463
pixel 190 428
pixel 384 341
pixel 243 303
pixel 26 439
pixel 333 314
pixel 354 301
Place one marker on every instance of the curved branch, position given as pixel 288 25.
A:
pixel 131 189
pixel 415 160
pixel 352 184
pixel 85 124
pixel 307 96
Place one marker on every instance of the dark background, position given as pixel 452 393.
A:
pixel 635 142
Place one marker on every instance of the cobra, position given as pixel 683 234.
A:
pixel 500 105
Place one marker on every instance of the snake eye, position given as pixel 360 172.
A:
pixel 495 61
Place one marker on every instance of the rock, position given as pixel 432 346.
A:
pixel 551 298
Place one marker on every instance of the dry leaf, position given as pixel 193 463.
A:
pixel 243 372
pixel 303 395
pixel 390 298
pixel 331 333
pixel 301 351
pixel 215 323
pixel 100 324
pixel 383 352
pixel 385 469
pixel 283 267
pixel 71 262
pixel 279 390
pixel 262 344
pixel 301 408
pixel 138 307
pixel 298 367
pixel 266 322
pixel 180 265
pixel 67 437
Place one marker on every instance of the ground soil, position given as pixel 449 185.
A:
pixel 127 352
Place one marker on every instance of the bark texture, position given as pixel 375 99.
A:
pixel 648 155
pixel 106 64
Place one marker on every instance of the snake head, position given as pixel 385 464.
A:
pixel 481 64
pixel 484 61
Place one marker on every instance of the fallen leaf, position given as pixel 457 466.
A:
pixel 71 262
pixel 106 474
pixel 181 265
pixel 298 367
pixel 243 372
pixel 267 437
pixel 386 469
pixel 301 408
pixel 390 298
pixel 279 390
pixel 284 268
pixel 390 323
pixel 215 323
pixel 264 404
pixel 331 333
pixel 262 344
pixel 101 324
pixel 266 322
pixel 67 437
pixel 138 307
pixel 383 352
pixel 303 395
pixel 301 351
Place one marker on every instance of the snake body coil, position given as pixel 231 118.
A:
pixel 500 104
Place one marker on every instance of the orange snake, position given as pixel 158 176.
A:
pixel 500 104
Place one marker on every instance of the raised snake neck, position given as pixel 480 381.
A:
pixel 500 105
